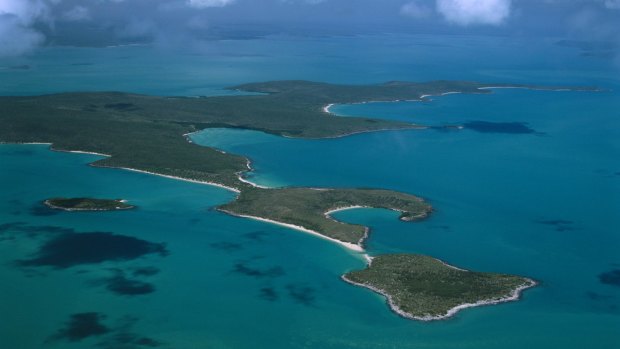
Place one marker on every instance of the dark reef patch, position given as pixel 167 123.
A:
pixel 269 294
pixel 610 278
pixel 558 224
pixel 71 249
pixel 121 336
pixel 301 294
pixel 597 296
pixel 144 271
pixel 194 221
pixel 81 326
pixel 128 340
pixel 226 246
pixel 11 226
pixel 255 235
pixel 272 272
pixel 124 286
pixel 498 127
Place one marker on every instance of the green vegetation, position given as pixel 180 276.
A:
pixel 148 133
pixel 87 204
pixel 307 207
pixel 425 288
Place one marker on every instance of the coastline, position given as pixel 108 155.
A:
pixel 534 88
pixel 514 295
pixel 130 169
pixel 343 208
pixel 326 108
pixel 248 164
pixel 177 178
pixel 348 245
pixel 408 127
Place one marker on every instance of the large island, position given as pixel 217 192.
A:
pixel 149 134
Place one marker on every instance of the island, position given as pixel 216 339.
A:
pixel 150 134
pixel 424 288
pixel 87 204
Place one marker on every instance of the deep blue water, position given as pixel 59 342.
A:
pixel 542 204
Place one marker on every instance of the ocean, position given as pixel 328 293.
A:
pixel 530 187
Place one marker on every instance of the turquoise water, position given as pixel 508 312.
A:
pixel 542 204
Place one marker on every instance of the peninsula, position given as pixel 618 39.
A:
pixel 308 208
pixel 87 204
pixel 150 134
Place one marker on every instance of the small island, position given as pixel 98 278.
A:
pixel 87 204
pixel 424 288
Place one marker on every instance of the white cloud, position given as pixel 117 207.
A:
pixel 16 19
pixel 209 3
pixel 77 14
pixel 15 39
pixel 415 10
pixel 468 12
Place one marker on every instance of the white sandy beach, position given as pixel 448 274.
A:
pixel 240 176
pixel 326 108
pixel 181 179
pixel 248 164
pixel 343 208
pixel 348 245
pixel 142 171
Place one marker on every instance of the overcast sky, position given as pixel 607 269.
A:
pixel 28 24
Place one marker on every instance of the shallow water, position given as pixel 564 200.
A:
pixel 541 204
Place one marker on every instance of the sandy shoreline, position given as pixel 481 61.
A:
pixel 180 178
pixel 83 152
pixel 343 208
pixel 326 108
pixel 240 177
pixel 514 295
pixel 424 97
pixel 348 245
pixel 240 174
pixel 412 127
pixel 133 169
